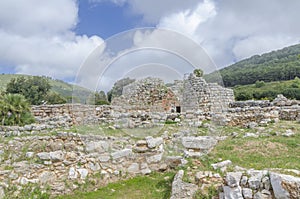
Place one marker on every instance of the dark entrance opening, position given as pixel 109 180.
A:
pixel 178 109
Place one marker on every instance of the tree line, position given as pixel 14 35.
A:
pixel 278 65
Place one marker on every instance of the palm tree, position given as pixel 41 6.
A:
pixel 15 110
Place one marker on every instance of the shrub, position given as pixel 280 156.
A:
pixel 34 89
pixel 242 96
pixel 198 72
pixel 15 110
pixel 259 84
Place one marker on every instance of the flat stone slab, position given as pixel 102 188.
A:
pixel 200 143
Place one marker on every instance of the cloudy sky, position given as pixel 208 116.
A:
pixel 54 37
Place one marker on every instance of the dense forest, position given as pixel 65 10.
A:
pixel 277 65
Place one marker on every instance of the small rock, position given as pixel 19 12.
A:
pixel 133 168
pixel 83 173
pixel 29 154
pixel 266 183
pixel 288 133
pixel 247 193
pixel 219 165
pixel 233 178
pixel 248 135
pixel 121 154
pixel 57 156
pixel 72 173
pixel 44 156
pixel 154 159
pixel 252 125
pixel 202 142
pixel 163 167
pixel 100 146
pixel 244 180
pixel 232 193
pixel 254 181
pixel 154 142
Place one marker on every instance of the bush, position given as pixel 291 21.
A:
pixel 259 84
pixel 15 110
pixel 55 98
pixel 198 72
pixel 242 96
pixel 292 93
pixel 34 89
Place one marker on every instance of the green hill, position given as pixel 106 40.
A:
pixel 277 65
pixel 59 86
pixel 269 90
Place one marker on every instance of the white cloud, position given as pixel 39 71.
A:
pixel 37 38
pixel 232 30
pixel 32 17
pixel 188 21
pixel 229 30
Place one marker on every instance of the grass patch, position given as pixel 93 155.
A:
pixel 107 130
pixel 156 185
pixel 261 153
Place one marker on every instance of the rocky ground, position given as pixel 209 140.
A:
pixel 212 161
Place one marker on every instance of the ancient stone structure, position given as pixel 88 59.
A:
pixel 206 97
pixel 148 94
pixel 192 93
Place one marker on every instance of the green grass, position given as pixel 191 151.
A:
pixel 156 185
pixel 263 152
pixel 139 133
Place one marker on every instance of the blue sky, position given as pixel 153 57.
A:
pixel 55 37
pixel 104 19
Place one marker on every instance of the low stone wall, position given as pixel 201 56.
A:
pixel 244 184
pixel 61 161
pixel 240 113
pixel 261 115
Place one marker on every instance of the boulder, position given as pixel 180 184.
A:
pixel 285 186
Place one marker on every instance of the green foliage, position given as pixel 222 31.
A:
pixel 269 90
pixel 259 84
pixel 55 98
pixel 292 93
pixel 98 98
pixel 242 96
pixel 64 89
pixel 274 66
pixel 15 110
pixel 198 72
pixel 34 89
pixel 117 89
